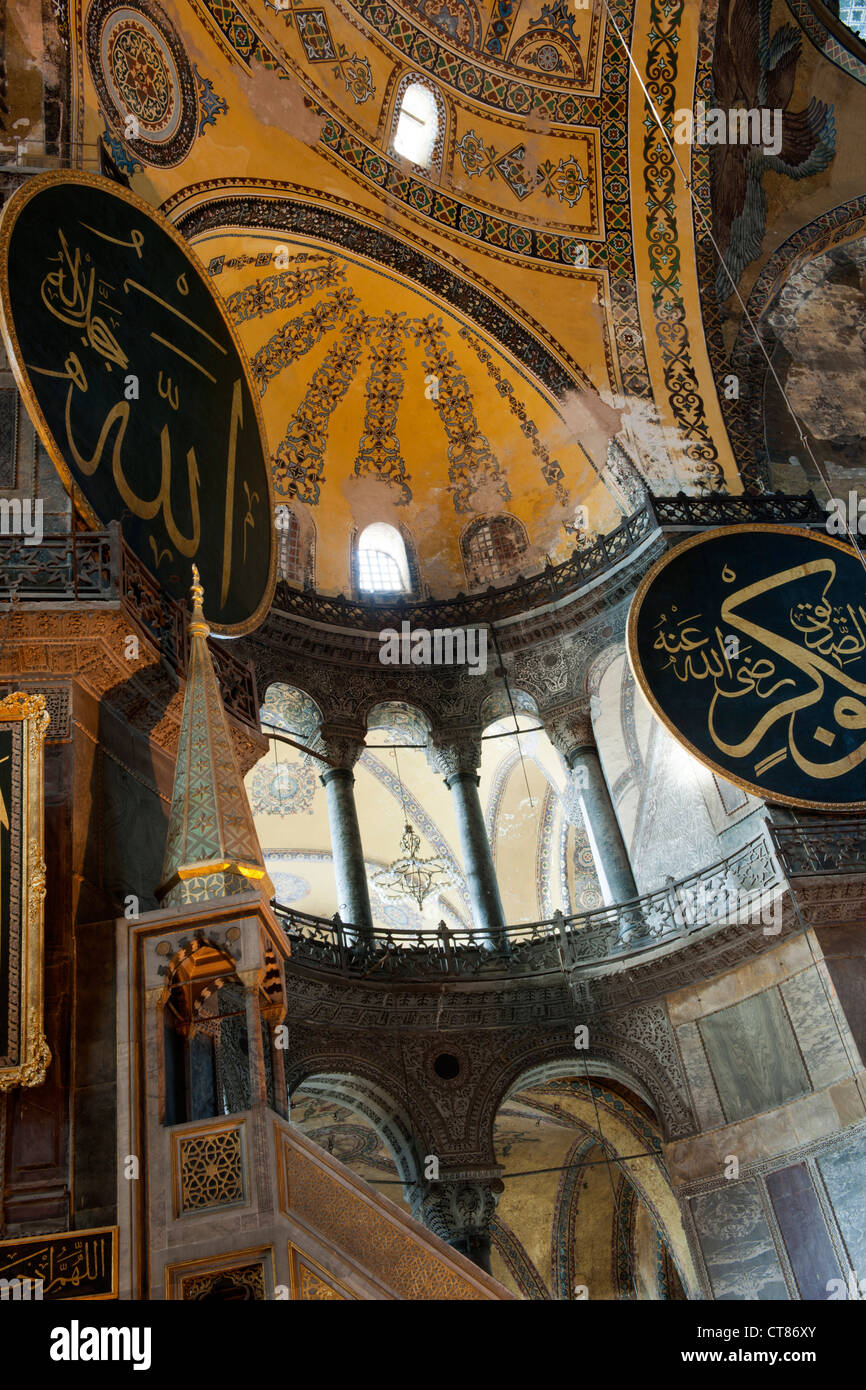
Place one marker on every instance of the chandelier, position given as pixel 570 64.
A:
pixel 411 876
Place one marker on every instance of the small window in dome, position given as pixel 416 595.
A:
pixel 417 126
pixel 383 567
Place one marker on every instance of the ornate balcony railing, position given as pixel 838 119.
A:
pixel 746 886
pixel 98 566
pixel 720 509
pixel 823 847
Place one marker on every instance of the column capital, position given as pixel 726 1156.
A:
pixel 455 754
pixel 342 743
pixel 459 1209
pixel 569 728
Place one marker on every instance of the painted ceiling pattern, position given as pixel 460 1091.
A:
pixel 571 179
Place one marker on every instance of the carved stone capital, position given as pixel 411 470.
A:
pixel 459 1210
pixel 569 727
pixel 342 743
pixel 451 754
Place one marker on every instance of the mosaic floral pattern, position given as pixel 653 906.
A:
pixel 471 461
pixel 282 789
pixel 285 289
pixel 299 463
pixel 292 710
pixel 210 103
pixel 140 70
pixel 379 451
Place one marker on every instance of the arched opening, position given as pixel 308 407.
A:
pixel 604 1223
pixel 360 1124
pixel 417 125
pixel 492 548
pixel 207 1065
pixel 381 561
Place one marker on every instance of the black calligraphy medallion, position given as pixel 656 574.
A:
pixel 138 386
pixel 750 645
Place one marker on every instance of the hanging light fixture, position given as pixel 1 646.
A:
pixel 410 876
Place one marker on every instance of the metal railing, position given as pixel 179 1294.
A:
pixel 720 509
pixel 824 847
pixel 742 887
pixel 88 566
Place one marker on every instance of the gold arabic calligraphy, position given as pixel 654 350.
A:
pixel 790 672
pixel 73 292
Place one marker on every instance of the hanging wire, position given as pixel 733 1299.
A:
pixel 513 715
pixel 742 303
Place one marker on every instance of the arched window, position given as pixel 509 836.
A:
pixel 417 125
pixel 492 548
pixel 382 566
pixel 288 545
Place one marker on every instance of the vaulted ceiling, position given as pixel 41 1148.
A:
pixel 544 269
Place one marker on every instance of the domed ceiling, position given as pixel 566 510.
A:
pixel 545 260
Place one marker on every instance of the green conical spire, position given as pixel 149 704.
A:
pixel 212 849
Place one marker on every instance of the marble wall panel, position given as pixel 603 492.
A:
pixel 816 1027
pixel 754 1056
pixel 844 1174
pixel 804 1230
pixel 705 1098
pixel 737 1245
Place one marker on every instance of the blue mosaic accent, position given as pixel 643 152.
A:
pixel 210 103
pixel 126 162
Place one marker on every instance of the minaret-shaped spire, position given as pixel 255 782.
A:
pixel 212 849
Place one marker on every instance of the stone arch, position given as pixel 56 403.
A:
pixel 292 709
pixel 375 1103
pixel 831 229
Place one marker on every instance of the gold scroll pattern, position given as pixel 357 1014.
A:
pixel 378 1244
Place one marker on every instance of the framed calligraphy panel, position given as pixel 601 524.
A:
pixel 24 1053
pixel 73 1264
pixel 136 381
pixel 749 643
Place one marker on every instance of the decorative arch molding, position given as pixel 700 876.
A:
pixel 375 1104
pixel 639 1048
pixel 831 229
pixel 837 43
pixel 270 205
pixel 562 1068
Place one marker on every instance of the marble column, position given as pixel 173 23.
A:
pixel 458 760
pixel 353 896
pixel 572 734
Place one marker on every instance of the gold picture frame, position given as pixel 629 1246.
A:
pixel 24 1051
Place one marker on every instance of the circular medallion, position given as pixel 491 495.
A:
pixel 749 643
pixel 134 378
pixel 143 79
